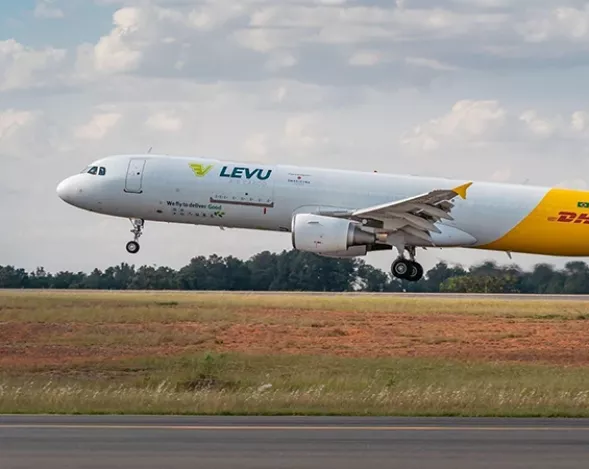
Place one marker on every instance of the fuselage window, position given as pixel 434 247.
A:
pixel 102 171
pixel 93 170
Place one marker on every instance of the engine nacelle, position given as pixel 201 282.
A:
pixel 327 235
pixel 357 251
pixel 353 251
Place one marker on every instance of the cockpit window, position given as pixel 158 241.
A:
pixel 100 170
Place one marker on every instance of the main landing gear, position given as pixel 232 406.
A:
pixel 407 269
pixel 133 246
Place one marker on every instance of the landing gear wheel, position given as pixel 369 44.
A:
pixel 401 268
pixel 407 270
pixel 416 272
pixel 132 247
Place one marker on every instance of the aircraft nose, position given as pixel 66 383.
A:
pixel 66 190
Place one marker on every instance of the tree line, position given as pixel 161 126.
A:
pixel 300 271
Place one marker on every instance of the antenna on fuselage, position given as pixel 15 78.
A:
pixel 149 151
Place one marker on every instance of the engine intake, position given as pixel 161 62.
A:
pixel 320 234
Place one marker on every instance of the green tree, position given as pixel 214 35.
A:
pixel 371 279
pixel 40 279
pixel 300 271
pixel 263 268
pixel 576 279
pixel 438 274
pixel 480 284
pixel 237 274
pixel 11 277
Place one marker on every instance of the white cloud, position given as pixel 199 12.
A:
pixel 305 131
pixel 281 61
pixel 266 40
pixel 355 24
pixel 292 15
pixel 12 120
pixel 113 53
pixel 574 127
pixel 214 15
pixel 25 135
pixel 164 121
pixel 23 67
pixel 98 127
pixel 501 175
pixel 468 121
pixel 365 58
pixel 539 127
pixel 412 43
pixel 256 145
pixel 576 183
pixel 46 9
pixel 477 123
pixel 580 121
pixel 560 23
pixel 429 63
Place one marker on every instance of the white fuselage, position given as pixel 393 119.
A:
pixel 202 191
pixel 265 197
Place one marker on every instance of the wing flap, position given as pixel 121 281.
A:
pixel 434 211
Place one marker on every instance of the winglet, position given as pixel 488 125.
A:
pixel 461 190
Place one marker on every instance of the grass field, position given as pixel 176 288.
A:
pixel 129 352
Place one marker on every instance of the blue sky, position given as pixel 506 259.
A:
pixel 483 89
pixel 83 21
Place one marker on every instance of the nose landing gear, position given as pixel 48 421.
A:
pixel 133 246
pixel 407 269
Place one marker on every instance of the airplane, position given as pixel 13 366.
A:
pixel 335 213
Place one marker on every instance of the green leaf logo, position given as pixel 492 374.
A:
pixel 199 169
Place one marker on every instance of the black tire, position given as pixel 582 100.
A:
pixel 132 247
pixel 415 273
pixel 401 268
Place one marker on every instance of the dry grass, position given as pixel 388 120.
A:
pixel 243 384
pixel 94 352
pixel 131 306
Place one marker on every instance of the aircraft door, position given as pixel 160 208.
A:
pixel 134 179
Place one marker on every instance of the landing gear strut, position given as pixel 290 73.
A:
pixel 133 246
pixel 407 269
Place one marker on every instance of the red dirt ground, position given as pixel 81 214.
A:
pixel 304 332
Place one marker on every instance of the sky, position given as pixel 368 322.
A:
pixel 492 90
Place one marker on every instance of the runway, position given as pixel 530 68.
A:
pixel 53 442
pixel 457 296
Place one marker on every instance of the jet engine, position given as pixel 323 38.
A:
pixel 328 235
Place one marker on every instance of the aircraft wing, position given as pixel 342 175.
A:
pixel 415 215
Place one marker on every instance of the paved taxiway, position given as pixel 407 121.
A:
pixel 54 442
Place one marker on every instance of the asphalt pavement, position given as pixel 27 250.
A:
pixel 59 442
